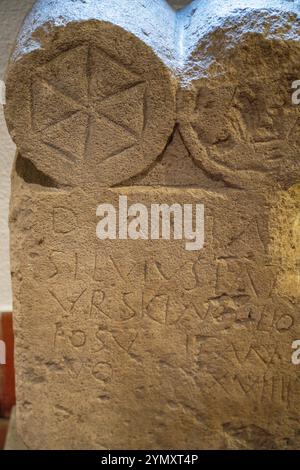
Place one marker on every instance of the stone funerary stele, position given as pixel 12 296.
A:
pixel 137 343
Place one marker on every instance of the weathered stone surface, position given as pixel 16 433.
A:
pixel 138 343
pixel 13 441
pixel 90 90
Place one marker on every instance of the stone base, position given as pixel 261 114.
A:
pixel 13 441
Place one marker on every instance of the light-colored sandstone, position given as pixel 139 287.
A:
pixel 142 344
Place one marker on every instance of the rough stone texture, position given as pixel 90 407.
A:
pixel 12 13
pixel 13 441
pixel 140 344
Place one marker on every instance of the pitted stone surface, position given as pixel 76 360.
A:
pixel 84 101
pixel 142 344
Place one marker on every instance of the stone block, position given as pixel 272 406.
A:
pixel 142 343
